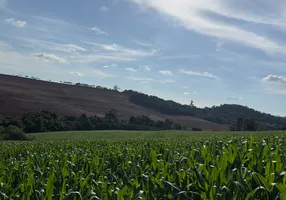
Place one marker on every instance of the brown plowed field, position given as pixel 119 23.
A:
pixel 19 95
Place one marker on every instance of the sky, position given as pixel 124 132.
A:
pixel 210 51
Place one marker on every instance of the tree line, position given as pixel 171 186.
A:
pixel 45 121
pixel 223 114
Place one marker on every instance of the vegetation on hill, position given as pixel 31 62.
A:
pixel 224 114
pixel 45 121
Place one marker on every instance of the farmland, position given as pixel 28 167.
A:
pixel 158 165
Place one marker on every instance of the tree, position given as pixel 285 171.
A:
pixel 243 124
pixel 116 88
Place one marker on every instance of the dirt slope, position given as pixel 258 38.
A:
pixel 19 95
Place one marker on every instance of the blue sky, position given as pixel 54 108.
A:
pixel 209 51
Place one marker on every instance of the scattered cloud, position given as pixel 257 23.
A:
pixel 100 74
pixel 93 73
pixel 105 66
pixel 147 68
pixel 185 87
pixel 104 9
pixel 190 93
pixel 275 91
pixel 17 23
pixel 77 73
pixel 123 50
pixel 51 57
pixel 43 44
pixel 98 31
pixel 130 69
pixel 234 98
pixel 166 72
pixel 178 57
pixel 145 82
pixel 206 17
pixel 164 81
pixel 90 58
pixel 202 74
pixel 146 79
pixel 144 44
pixel 113 65
pixel 275 79
pixel 149 80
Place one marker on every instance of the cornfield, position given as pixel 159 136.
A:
pixel 210 168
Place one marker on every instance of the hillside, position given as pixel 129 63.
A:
pixel 19 95
pixel 224 114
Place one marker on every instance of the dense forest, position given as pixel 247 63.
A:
pixel 45 121
pixel 224 114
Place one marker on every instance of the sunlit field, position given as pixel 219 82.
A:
pixel 144 165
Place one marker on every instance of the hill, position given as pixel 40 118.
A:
pixel 19 95
pixel 224 114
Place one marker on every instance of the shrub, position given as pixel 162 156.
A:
pixel 2 129
pixel 196 129
pixel 14 133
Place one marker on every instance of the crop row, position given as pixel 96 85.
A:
pixel 213 168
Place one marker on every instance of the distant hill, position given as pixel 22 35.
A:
pixel 19 95
pixel 224 114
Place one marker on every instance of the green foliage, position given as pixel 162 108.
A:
pixel 2 129
pixel 206 168
pixel 244 124
pixel 45 121
pixel 14 133
pixel 224 114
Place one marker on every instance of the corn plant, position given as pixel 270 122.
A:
pixel 206 168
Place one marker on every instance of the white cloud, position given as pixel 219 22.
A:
pixel 198 16
pixel 144 82
pixel 113 65
pixel 166 72
pixel 90 58
pixel 202 74
pixel 149 80
pixel 100 74
pixel 13 62
pixel 144 44
pixel 179 57
pixel 51 57
pixel 275 79
pixel 275 91
pixel 190 93
pixel 104 9
pixel 42 44
pixel 146 79
pixel 105 66
pixel 98 31
pixel 185 87
pixel 123 50
pixel 164 81
pixel 17 23
pixel 130 69
pixel 93 73
pixel 77 73
pixel 235 98
pixel 147 68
